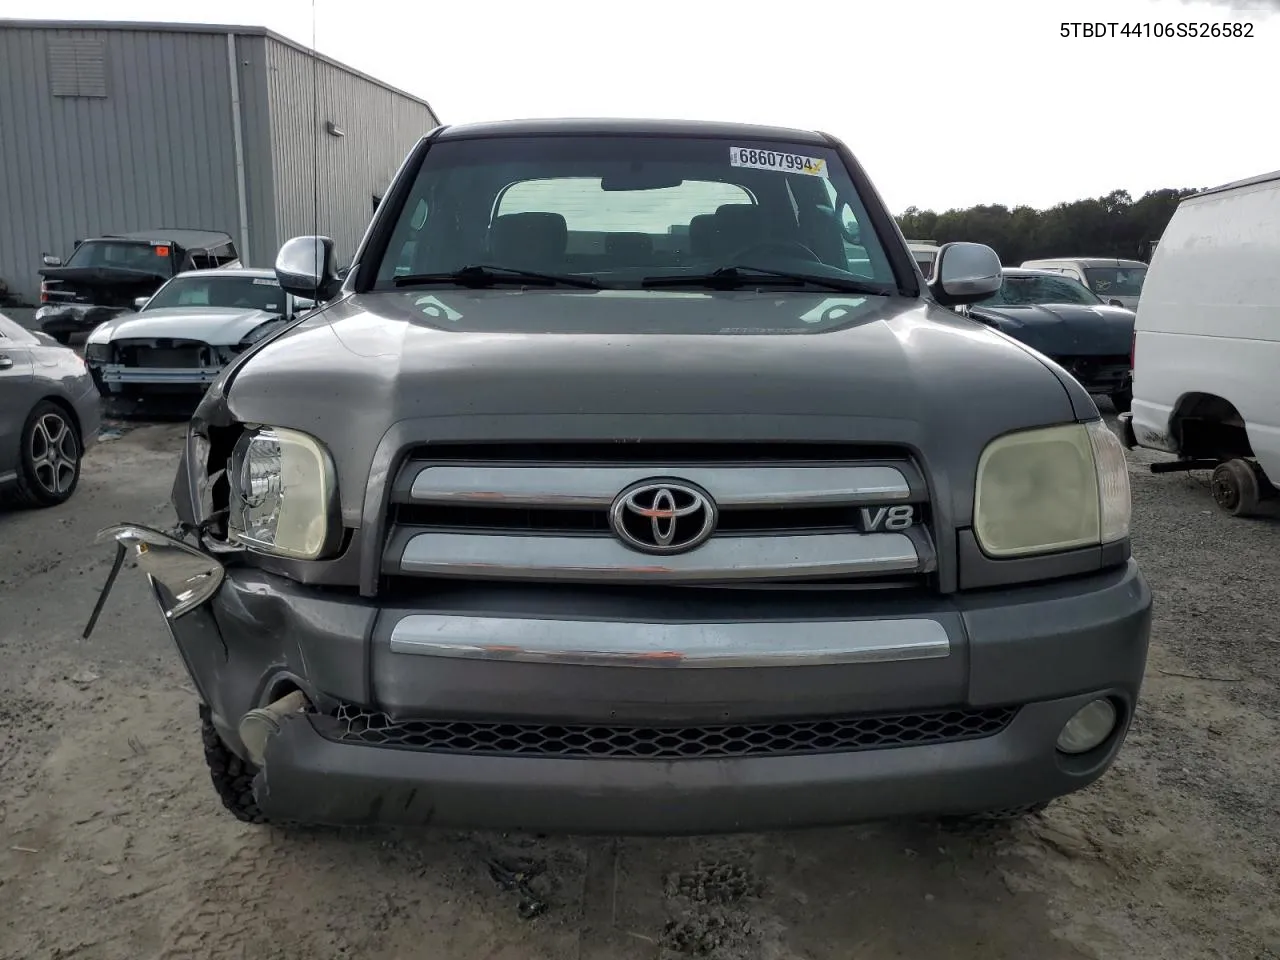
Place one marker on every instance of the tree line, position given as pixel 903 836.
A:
pixel 1112 226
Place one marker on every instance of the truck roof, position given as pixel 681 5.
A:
pixel 592 127
pixel 1237 184
pixel 183 237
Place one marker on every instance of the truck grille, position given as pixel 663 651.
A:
pixel 352 724
pixel 781 512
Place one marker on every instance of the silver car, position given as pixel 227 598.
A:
pixel 49 415
pixel 180 338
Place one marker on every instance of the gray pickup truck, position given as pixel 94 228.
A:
pixel 605 493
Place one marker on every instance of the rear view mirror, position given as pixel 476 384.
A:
pixel 51 261
pixel 637 179
pixel 965 273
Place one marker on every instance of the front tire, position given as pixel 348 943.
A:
pixel 1122 400
pixel 232 776
pixel 62 337
pixel 49 458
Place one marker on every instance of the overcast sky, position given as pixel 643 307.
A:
pixel 946 103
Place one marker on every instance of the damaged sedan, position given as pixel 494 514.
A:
pixel 604 494
pixel 1067 322
pixel 180 339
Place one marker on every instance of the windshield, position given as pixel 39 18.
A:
pixel 123 255
pixel 1015 291
pixel 1116 281
pixel 622 209
pixel 243 293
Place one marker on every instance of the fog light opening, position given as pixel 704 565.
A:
pixel 1091 725
pixel 258 726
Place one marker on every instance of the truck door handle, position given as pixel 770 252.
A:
pixel 5 362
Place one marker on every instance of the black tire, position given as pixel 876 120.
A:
pixel 232 777
pixel 62 337
pixel 1122 400
pixel 1237 487
pixel 49 457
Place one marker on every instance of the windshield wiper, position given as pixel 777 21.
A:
pixel 484 275
pixel 732 277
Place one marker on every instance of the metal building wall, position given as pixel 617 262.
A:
pixel 155 151
pixel 380 126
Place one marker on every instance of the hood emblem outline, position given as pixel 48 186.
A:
pixel 663 516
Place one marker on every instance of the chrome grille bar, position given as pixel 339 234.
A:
pixel 722 558
pixel 755 485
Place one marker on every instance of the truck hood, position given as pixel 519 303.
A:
pixel 103 276
pixel 539 365
pixel 1064 329
pixel 216 325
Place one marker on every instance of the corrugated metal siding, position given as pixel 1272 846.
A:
pixel 156 151
pixel 255 119
pixel 380 127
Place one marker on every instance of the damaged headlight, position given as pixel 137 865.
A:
pixel 284 494
pixel 1051 489
pixel 256 334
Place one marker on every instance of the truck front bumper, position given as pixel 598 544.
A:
pixel 961 716
pixel 70 318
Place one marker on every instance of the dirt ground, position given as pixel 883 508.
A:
pixel 113 846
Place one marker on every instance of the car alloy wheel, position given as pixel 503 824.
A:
pixel 51 451
pixel 55 454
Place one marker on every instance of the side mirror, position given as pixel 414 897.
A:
pixel 186 577
pixel 306 267
pixel 140 302
pixel 51 261
pixel 965 273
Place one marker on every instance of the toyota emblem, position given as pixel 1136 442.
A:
pixel 663 516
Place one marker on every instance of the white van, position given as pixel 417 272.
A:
pixel 1206 365
pixel 1117 282
pixel 924 252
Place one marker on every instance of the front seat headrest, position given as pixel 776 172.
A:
pixel 518 238
pixel 739 225
pixel 702 235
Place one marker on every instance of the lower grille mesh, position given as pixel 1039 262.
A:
pixel 353 724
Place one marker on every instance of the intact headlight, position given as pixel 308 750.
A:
pixel 1051 489
pixel 99 352
pixel 284 494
